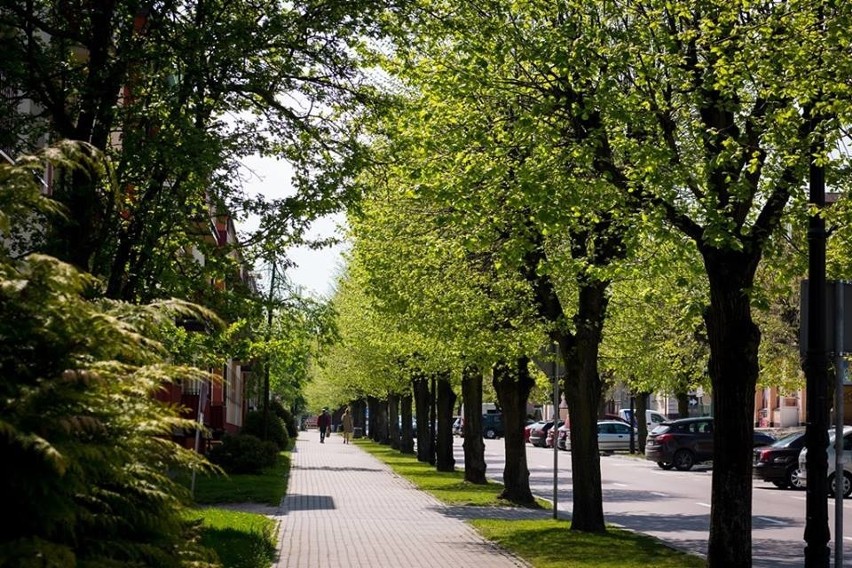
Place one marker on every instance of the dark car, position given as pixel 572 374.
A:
pixel 538 434
pixel 778 463
pixel 492 425
pixel 683 443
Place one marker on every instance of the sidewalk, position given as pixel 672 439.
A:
pixel 346 509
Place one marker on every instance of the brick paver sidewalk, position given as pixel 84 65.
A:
pixel 346 509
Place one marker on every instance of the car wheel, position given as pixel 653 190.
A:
pixel 490 434
pixel 847 485
pixel 664 465
pixel 793 478
pixel 683 460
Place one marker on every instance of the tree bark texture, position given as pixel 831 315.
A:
pixel 474 447
pixel 446 401
pixel 582 388
pixel 641 421
pixel 393 420
pixel 682 404
pixel 734 341
pixel 382 430
pixel 421 410
pixel 513 386
pixel 406 444
pixel 373 408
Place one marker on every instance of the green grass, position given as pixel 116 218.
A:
pixel 449 487
pixel 241 540
pixel 544 543
pixel 267 487
pixel 548 543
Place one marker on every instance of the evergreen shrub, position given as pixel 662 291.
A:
pixel 243 453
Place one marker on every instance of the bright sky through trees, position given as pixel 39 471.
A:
pixel 315 270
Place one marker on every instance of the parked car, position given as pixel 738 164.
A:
pixel 763 439
pixel 613 436
pixel 652 418
pixel 538 434
pixel 492 425
pixel 528 428
pixel 846 486
pixel 778 463
pixel 683 443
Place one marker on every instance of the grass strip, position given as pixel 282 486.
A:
pixel 241 540
pixel 449 487
pixel 267 487
pixel 543 543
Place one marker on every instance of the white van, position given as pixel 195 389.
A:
pixel 652 418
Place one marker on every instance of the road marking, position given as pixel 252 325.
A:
pixel 773 521
pixel 659 494
pixel 847 538
pixel 704 504
pixel 620 485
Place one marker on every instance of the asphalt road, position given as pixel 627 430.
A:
pixel 674 506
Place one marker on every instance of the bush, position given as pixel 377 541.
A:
pixel 243 453
pixel 286 417
pixel 87 465
pixel 275 431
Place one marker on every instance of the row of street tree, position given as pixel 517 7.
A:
pixel 626 180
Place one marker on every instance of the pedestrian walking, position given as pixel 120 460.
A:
pixel 324 424
pixel 348 427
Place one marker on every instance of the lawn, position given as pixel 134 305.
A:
pixel 543 543
pixel 241 539
pixel 449 487
pixel 267 487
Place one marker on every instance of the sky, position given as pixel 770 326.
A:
pixel 315 270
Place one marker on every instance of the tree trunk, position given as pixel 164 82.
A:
pixel 582 388
pixel 359 415
pixel 734 341
pixel 446 400
pixel 406 445
pixel 641 422
pixel 474 447
pixel 513 387
pixel 393 420
pixel 382 423
pixel 433 426
pixel 682 404
pixel 421 410
pixel 373 419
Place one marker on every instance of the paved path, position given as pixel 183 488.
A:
pixel 346 509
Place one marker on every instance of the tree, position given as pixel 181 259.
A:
pixel 176 94
pixel 90 471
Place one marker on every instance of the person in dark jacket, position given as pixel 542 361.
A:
pixel 324 424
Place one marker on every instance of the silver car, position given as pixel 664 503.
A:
pixel 847 463
pixel 613 436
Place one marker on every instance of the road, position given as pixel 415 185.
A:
pixel 674 506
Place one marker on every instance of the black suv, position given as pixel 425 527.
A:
pixel 681 443
pixel 492 425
